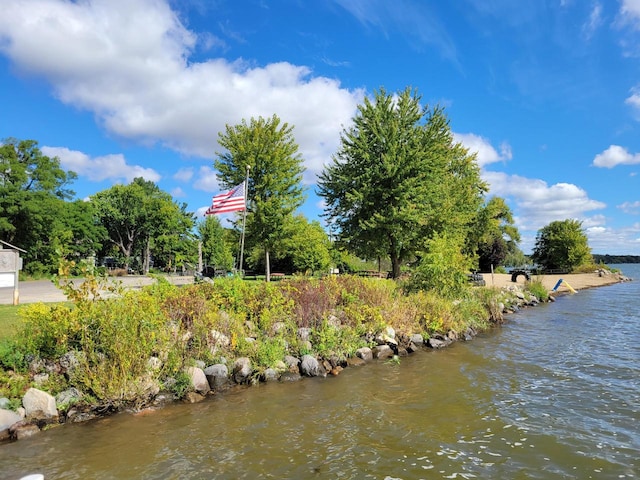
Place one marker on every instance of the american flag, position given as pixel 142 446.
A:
pixel 231 201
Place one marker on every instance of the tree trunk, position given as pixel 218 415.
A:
pixel 147 256
pixel 395 266
pixel 267 266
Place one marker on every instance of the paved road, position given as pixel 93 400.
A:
pixel 45 291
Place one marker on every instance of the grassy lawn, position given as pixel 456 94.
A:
pixel 8 320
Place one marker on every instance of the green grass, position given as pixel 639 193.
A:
pixel 9 320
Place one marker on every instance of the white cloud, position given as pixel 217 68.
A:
pixel 107 167
pixel 615 155
pixel 178 193
pixel 127 61
pixel 605 240
pixel 634 99
pixel 632 208
pixel 183 175
pixel 207 180
pixel 630 9
pixel 595 21
pixel 537 203
pixel 486 154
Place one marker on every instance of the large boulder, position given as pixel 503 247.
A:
pixel 381 352
pixel 309 366
pixel 68 397
pixel 23 429
pixel 292 363
pixel 217 375
pixel 438 341
pixel 198 379
pixel 387 336
pixel 39 406
pixel 270 375
pixel 242 370
pixel 365 354
pixel 7 419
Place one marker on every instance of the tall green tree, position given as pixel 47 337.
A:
pixel 34 214
pixel 216 250
pixel 305 248
pixel 562 244
pixel 275 190
pixel 138 214
pixel 494 235
pixel 398 179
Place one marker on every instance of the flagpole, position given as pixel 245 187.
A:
pixel 244 219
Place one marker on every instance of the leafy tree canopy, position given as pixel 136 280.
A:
pixel 562 245
pixel 216 248
pixel 494 235
pixel 398 179
pixel 275 191
pixel 33 212
pixel 305 247
pixel 138 214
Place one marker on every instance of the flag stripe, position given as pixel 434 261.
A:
pixel 231 201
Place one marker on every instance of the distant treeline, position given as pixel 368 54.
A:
pixel 616 259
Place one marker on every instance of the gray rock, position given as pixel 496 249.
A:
pixel 69 362
pixel 193 397
pixel 219 339
pixel 78 415
pixel 40 379
pixel 68 397
pixel 309 366
pixel 304 333
pixel 4 402
pixel 270 375
pixel 22 430
pixel 334 321
pixel 278 327
pixel 242 370
pixel 198 379
pixel 8 418
pixel 154 364
pixel 417 339
pixel 39 404
pixel 387 336
pixel 292 363
pixel 365 354
pixel 436 343
pixel 217 375
pixel 381 352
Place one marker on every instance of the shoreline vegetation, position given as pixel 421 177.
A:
pixel 112 349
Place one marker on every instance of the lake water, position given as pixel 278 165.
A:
pixel 554 393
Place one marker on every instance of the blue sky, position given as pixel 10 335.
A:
pixel 546 92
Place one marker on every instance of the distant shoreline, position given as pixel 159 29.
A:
pixel 579 281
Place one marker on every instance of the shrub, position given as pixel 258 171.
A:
pixel 536 288
pixel 49 330
pixel 329 340
pixel 489 310
pixel 443 269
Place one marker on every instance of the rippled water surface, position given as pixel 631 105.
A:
pixel 555 393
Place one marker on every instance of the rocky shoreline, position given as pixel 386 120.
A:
pixel 41 411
